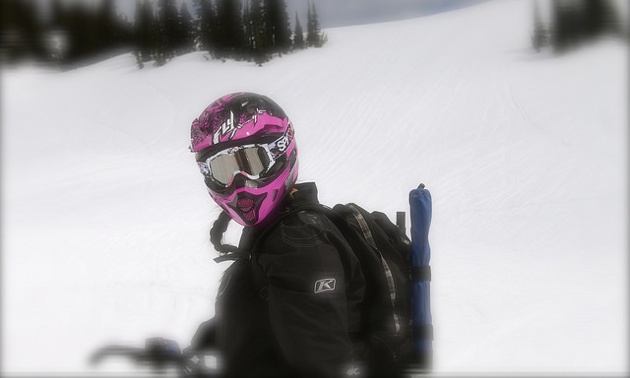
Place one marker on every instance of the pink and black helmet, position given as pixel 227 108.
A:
pixel 245 148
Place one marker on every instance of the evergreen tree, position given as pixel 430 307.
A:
pixel 309 25
pixel 20 31
pixel 578 21
pixel 540 35
pixel 565 22
pixel 599 19
pixel 277 28
pixel 58 39
pixel 247 25
pixel 185 33
pixel 82 31
pixel 230 41
pixel 314 37
pixel 106 28
pixel 124 29
pixel 57 15
pixel 168 32
pixel 258 40
pixel 298 37
pixel 207 28
pixel 145 32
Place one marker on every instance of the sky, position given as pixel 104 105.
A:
pixel 353 12
pixel 340 12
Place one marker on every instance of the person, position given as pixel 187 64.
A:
pixel 304 321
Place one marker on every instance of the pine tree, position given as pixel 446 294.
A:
pixel 57 15
pixel 298 37
pixel 124 30
pixel 185 34
pixel 277 26
pixel 33 30
pixel 540 35
pixel 207 28
pixel 575 22
pixel 247 25
pixel 564 32
pixel 258 40
pixel 168 31
pixel 106 28
pixel 230 37
pixel 82 31
pixel 58 42
pixel 20 31
pixel 145 33
pixel 599 18
pixel 314 37
pixel 309 25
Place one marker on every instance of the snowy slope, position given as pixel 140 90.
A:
pixel 105 216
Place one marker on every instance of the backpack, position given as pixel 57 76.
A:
pixel 384 253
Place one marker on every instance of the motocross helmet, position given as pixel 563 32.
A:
pixel 245 148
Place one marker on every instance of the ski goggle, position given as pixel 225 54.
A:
pixel 253 161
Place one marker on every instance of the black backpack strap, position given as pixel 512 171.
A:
pixel 421 273
pixel 363 219
pixel 363 224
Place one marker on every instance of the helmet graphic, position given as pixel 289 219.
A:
pixel 245 148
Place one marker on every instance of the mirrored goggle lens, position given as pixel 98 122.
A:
pixel 252 161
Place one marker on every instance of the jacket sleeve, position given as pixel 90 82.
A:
pixel 206 336
pixel 307 300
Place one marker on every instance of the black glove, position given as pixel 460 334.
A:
pixel 159 353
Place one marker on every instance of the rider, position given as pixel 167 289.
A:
pixel 301 324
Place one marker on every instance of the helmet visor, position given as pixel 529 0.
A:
pixel 251 161
pixel 254 161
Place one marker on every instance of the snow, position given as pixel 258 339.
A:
pixel 105 216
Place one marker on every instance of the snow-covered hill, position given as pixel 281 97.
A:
pixel 105 216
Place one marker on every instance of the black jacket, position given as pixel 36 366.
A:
pixel 301 325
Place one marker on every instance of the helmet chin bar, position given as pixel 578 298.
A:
pixel 245 208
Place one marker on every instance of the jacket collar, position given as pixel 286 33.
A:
pixel 302 194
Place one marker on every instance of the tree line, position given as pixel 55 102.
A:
pixel 572 23
pixel 251 30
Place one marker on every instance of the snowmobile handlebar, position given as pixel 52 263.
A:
pixel 158 353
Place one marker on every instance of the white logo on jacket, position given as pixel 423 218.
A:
pixel 326 284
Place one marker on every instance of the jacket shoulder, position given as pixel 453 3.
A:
pixel 302 228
